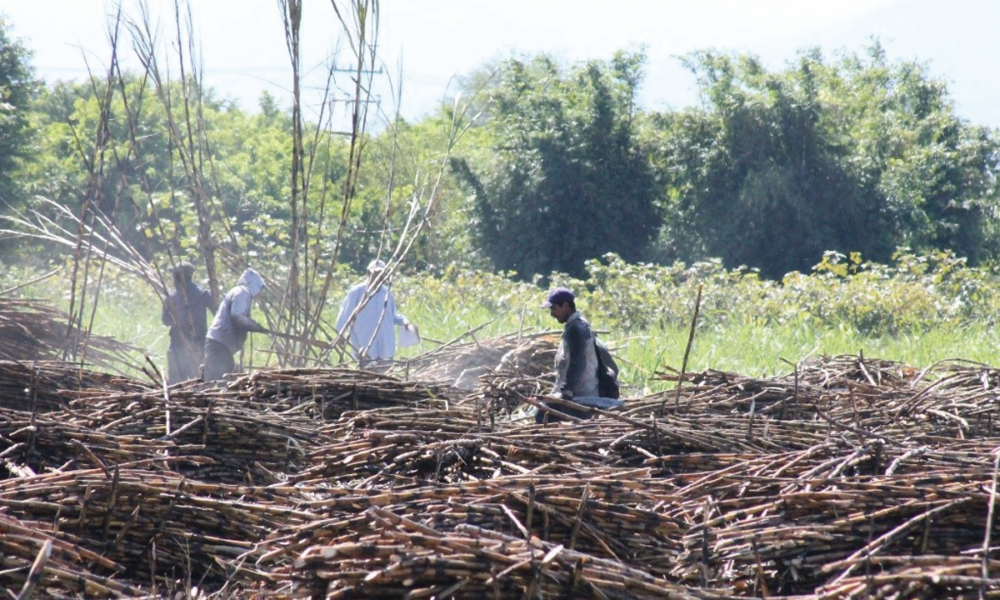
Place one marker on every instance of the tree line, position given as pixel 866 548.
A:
pixel 536 167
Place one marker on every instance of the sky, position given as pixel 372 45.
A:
pixel 425 44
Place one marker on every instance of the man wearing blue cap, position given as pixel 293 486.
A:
pixel 576 358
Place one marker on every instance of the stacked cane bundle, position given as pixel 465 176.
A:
pixel 520 355
pixel 846 478
pixel 403 558
pixel 34 330
pixel 49 385
pixel 144 523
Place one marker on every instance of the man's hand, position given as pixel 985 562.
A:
pixel 413 328
pixel 243 323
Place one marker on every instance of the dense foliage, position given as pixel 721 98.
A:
pixel 538 168
pixel 568 180
pixel 138 173
pixel 857 155
pixel 17 88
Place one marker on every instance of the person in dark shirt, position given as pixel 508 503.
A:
pixel 576 358
pixel 184 312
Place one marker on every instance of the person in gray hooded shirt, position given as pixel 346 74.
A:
pixel 232 323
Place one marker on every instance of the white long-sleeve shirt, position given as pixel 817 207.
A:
pixel 371 329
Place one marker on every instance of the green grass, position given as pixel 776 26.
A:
pixel 761 351
pixel 448 309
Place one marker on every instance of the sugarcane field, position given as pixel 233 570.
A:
pixel 846 477
pixel 590 301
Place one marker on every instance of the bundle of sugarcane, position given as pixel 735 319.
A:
pixel 834 372
pixel 606 514
pixel 418 437
pixel 678 435
pixel 405 558
pixel 51 441
pixel 773 397
pixel 35 557
pixel 827 372
pixel 34 330
pixel 48 385
pixel 789 524
pixel 698 431
pixel 224 439
pixel 152 523
pixel 917 576
pixel 773 474
pixel 334 391
pixel 502 390
pixel 527 355
pixel 834 531
pixel 614 439
pixel 965 374
pixel 957 406
pixel 784 397
pixel 403 459
pixel 964 394
pixel 458 418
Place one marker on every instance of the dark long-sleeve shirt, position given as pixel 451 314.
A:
pixel 576 359
pixel 184 312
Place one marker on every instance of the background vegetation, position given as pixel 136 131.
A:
pixel 918 310
pixel 837 204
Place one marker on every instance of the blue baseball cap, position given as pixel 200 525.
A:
pixel 558 296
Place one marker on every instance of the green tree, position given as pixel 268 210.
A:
pixel 407 169
pixel 141 180
pixel 755 180
pixel 934 173
pixel 17 89
pixel 859 155
pixel 567 181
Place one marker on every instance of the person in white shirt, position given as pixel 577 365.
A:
pixel 368 324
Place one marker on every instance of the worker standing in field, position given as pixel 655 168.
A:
pixel 232 323
pixel 184 312
pixel 577 360
pixel 367 319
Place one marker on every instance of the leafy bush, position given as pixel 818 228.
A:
pixel 912 294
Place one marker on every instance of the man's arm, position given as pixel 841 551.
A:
pixel 239 309
pixel 167 317
pixel 208 301
pixel 245 323
pixel 347 307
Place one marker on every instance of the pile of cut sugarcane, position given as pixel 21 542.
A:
pixel 466 363
pixel 844 478
pixel 35 330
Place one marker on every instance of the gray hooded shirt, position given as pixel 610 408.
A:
pixel 232 320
